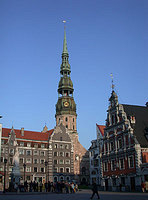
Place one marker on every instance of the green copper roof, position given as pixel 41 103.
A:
pixel 65 44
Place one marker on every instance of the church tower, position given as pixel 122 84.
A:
pixel 66 107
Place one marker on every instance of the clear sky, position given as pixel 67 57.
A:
pixel 103 36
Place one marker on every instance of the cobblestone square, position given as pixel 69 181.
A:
pixel 81 195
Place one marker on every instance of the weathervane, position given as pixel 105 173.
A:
pixel 112 81
pixel 64 21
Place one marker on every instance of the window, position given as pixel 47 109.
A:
pixel 113 165
pixel 22 144
pixel 61 169
pixel 73 127
pixel 28 144
pixel 55 146
pixel 73 119
pixel 42 169
pixel 66 146
pixel 42 145
pixel 28 152
pixel 11 151
pixel 62 154
pixel 35 153
pixel 61 161
pixel 11 142
pixel 105 167
pixel 35 161
pixel 61 146
pixel 3 150
pixel 66 126
pixel 131 162
pixel 42 161
pixel 83 170
pixel 28 169
pixel 42 153
pixel 67 170
pixel 35 169
pixel 2 141
pixel 96 163
pixel 112 146
pixel 21 151
pixel 36 145
pixel 67 162
pixel 55 162
pixel 67 154
pixel 21 160
pixel 121 163
pixel 28 160
pixel 66 119
pixel 119 143
pixel 61 138
pixel 55 153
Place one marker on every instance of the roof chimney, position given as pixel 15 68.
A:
pixel 22 131
pixel 146 104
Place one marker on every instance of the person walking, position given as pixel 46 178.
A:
pixel 95 191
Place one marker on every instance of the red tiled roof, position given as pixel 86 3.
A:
pixel 101 128
pixel 28 135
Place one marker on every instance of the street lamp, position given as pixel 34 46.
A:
pixel 5 162
pixel 24 165
pixel 46 163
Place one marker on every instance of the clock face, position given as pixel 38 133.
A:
pixel 66 104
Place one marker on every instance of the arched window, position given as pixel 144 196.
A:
pixel 66 119
pixel 83 170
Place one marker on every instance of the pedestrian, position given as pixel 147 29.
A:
pixel 40 185
pixel 146 186
pixel 143 186
pixel 95 191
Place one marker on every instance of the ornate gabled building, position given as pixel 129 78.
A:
pixel 95 156
pixel 55 154
pixel 125 148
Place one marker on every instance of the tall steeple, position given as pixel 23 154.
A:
pixel 66 107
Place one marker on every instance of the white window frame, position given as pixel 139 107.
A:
pixel 68 169
pixel 113 169
pixel 21 151
pixel 21 144
pixel 120 167
pixel 60 169
pixel 42 152
pixel 28 160
pixel 28 169
pixel 35 152
pixel 67 162
pixel 41 161
pixel 21 159
pixel 130 161
pixel 36 160
pixel 42 168
pixel 28 144
pixel 105 166
pixel 42 145
pixel 27 153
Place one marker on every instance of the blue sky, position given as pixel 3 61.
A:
pixel 103 37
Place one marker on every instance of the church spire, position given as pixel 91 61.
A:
pixel 65 43
pixel 66 107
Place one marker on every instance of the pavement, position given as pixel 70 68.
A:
pixel 80 195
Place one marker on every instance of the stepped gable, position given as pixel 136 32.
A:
pixel 141 122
